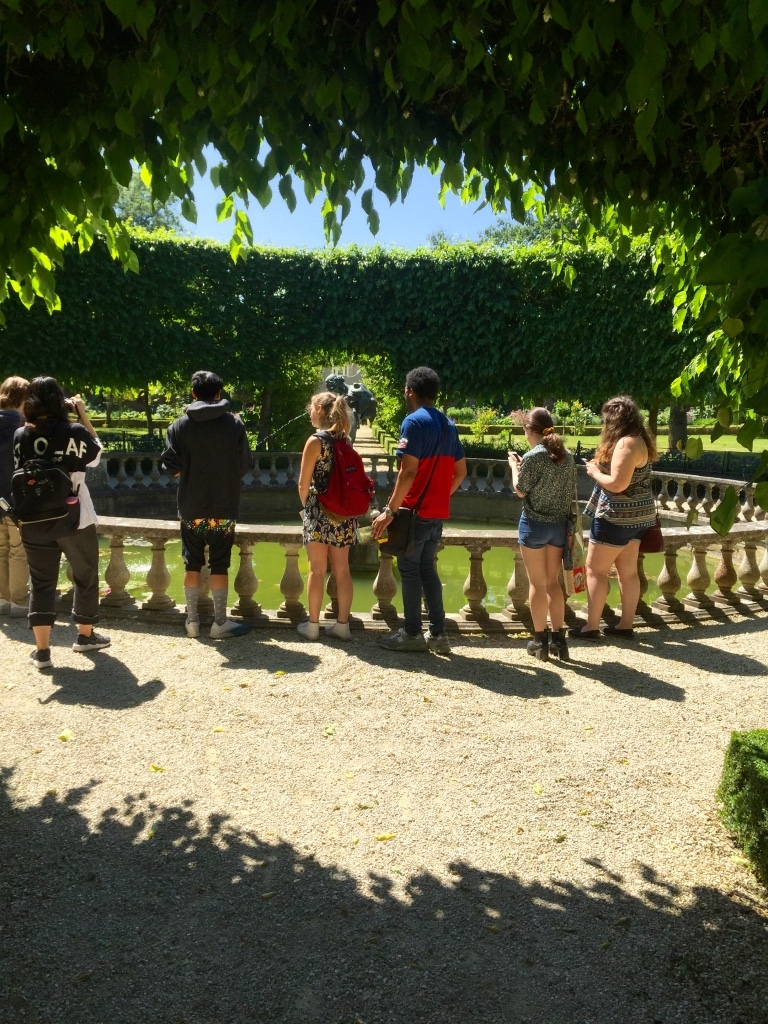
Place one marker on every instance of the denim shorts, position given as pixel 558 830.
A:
pixel 613 535
pixel 533 534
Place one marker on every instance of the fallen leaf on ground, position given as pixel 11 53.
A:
pixel 66 735
pixel 384 837
pixel 330 729
pixel 268 895
pixel 157 768
pixel 538 789
pixel 279 672
pixel 219 728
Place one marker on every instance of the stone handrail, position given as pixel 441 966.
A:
pixel 679 493
pixel 741 588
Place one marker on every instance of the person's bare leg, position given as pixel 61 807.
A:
pixel 629 583
pixel 317 555
pixel 43 637
pixel 555 599
pixel 600 558
pixel 535 561
pixel 340 568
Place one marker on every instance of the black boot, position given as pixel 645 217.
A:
pixel 558 645
pixel 539 646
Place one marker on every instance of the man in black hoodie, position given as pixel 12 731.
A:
pixel 209 450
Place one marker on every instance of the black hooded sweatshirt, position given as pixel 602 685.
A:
pixel 10 421
pixel 208 446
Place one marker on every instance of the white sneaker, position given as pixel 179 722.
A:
pixel 340 630
pixel 439 644
pixel 19 611
pixel 228 628
pixel 193 629
pixel 309 630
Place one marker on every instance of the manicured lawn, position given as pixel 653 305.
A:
pixel 727 443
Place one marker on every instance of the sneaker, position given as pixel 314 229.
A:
pixel 41 659
pixel 402 641
pixel 309 630
pixel 19 611
pixel 228 628
pixel 94 642
pixel 439 644
pixel 339 630
pixel 193 629
pixel 5 607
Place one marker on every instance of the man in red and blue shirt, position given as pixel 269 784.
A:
pixel 432 464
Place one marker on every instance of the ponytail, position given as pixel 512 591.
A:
pixel 540 421
pixel 334 412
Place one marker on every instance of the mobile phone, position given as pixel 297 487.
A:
pixel 4 505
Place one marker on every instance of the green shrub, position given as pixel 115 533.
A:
pixel 465 414
pixel 744 792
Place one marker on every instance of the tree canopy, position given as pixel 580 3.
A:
pixel 136 205
pixel 651 113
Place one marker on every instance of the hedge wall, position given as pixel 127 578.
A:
pixel 744 792
pixel 486 318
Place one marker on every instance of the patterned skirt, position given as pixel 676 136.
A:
pixel 319 529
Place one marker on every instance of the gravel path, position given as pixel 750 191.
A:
pixel 268 830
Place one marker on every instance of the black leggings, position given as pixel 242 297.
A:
pixel 44 556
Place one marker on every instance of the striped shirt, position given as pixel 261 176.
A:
pixel 635 506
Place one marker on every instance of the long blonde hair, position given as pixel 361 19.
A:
pixel 332 411
pixel 621 418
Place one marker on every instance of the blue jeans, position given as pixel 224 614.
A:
pixel 418 575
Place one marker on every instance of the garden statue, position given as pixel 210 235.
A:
pixel 360 399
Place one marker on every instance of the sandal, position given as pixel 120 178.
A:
pixel 587 634
pixel 617 631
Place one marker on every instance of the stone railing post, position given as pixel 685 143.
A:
pixel 291 585
pixel 205 601
pixel 384 590
pixel 332 608
pixel 475 587
pixel 154 475
pixel 725 577
pixel 117 575
pixel 749 577
pixel 644 610
pixel 122 475
pixel 669 605
pixel 158 579
pixel 763 587
pixel 698 601
pixel 517 588
pixel 246 584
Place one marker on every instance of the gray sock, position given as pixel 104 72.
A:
pixel 220 605
pixel 192 594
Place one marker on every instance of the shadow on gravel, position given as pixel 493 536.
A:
pixel 205 924
pixel 102 682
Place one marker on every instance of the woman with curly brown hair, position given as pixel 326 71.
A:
pixel 622 507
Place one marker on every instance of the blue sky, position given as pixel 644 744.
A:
pixel 404 224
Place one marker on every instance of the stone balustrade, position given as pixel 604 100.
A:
pixel 741 576
pixel 678 493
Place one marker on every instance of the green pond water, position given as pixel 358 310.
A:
pixel 453 565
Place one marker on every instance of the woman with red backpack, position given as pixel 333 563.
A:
pixel 329 531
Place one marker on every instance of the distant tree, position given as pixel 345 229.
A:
pixel 563 223
pixel 135 204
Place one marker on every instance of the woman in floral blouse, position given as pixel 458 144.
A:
pixel 325 538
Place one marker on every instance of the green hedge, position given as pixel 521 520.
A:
pixel 744 792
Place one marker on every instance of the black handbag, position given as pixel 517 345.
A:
pixel 401 532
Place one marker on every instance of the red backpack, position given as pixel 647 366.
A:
pixel 350 489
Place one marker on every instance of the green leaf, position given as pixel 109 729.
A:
pixel 188 210
pixel 758 15
pixel 285 188
pixel 691 518
pixel 724 516
pixel 387 11
pixel 713 159
pixel 703 50
pixel 717 431
pixel 694 448
pixel 761 468
pixel 761 495
pixel 124 121
pixel 389 77
pixel 751 429
pixel 124 10
pixel 535 113
pixel 732 326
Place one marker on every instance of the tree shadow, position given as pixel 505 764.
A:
pixel 626 679
pixel 149 914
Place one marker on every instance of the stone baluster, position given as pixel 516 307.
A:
pixel 68 595
pixel 644 610
pixel 154 476
pixel 290 473
pixel 679 499
pixel 663 495
pixel 517 588
pixel 489 479
pixel 748 505
pixel 332 608
pixel 749 577
pixel 117 575
pixel 138 472
pixel 273 481
pixel 246 584
pixel 725 577
pixel 385 589
pixel 291 585
pixel 391 471
pixel 475 587
pixel 158 579
pixel 708 502
pixel 205 601
pixel 762 588
pixel 122 475
pixel 375 470
pixel 698 601
pixel 506 486
pixel 472 488
pixel 668 604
